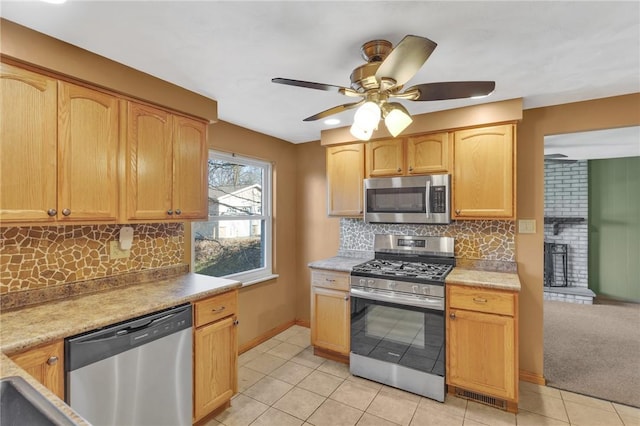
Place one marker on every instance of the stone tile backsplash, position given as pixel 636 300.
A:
pixel 474 239
pixel 42 256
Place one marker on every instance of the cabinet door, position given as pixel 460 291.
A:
pixel 330 323
pixel 87 154
pixel 345 173
pixel 190 184
pixel 28 130
pixel 215 366
pixel 45 364
pixel 149 168
pixel 480 353
pixel 484 175
pixel 428 154
pixel 385 158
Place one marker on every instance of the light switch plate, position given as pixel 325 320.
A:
pixel 115 252
pixel 526 226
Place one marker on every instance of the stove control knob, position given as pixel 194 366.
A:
pixel 426 291
pixel 392 284
pixel 362 282
pixel 416 289
pixel 370 283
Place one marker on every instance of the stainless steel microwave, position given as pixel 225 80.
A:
pixel 415 199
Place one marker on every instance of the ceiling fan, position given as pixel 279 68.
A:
pixel 382 79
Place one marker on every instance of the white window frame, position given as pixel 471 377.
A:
pixel 265 273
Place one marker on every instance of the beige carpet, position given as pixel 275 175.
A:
pixel 593 349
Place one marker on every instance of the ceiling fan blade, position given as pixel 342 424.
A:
pixel 334 110
pixel 308 84
pixel 406 59
pixel 452 90
pixel 554 156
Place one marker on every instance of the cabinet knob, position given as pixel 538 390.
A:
pixel 410 168
pixel 178 211
pixel 452 315
pixel 457 211
pixel 52 360
pixel 66 212
pixel 346 297
pixel 399 169
pixel 236 322
pixel 52 212
pixel 169 212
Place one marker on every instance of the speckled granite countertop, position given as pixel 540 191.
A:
pixel 338 263
pixel 31 326
pixel 473 274
pixel 480 278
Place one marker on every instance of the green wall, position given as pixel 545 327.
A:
pixel 614 228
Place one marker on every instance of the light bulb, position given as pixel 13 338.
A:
pixel 397 118
pixel 367 116
pixel 360 133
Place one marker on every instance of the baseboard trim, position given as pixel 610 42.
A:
pixel 269 334
pixel 527 376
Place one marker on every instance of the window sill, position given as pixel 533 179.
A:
pixel 259 280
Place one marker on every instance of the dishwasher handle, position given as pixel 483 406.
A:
pixel 96 345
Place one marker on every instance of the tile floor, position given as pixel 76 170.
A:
pixel 281 383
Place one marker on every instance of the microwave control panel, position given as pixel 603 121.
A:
pixel 438 199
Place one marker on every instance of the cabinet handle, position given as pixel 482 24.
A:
pixel 457 211
pixel 330 280
pixel 52 212
pixel 169 212
pixel 452 315
pixel 66 212
pixel 220 309
pixel 178 211
pixel 479 300
pixel 53 360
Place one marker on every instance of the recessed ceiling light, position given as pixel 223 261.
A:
pixel 331 121
pixel 54 1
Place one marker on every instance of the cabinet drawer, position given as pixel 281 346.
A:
pixel 329 279
pixel 215 308
pixel 481 300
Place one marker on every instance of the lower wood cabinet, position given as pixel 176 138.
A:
pixel 215 353
pixel 45 364
pixel 330 314
pixel 482 344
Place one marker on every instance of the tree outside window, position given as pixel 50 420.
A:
pixel 236 241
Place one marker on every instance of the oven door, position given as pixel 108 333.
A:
pixel 398 344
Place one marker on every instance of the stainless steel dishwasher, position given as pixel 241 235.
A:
pixel 137 372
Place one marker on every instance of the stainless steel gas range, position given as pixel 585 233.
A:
pixel 397 313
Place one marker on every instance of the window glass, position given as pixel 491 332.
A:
pixel 236 240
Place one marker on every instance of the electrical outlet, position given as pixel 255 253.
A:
pixel 526 226
pixel 115 252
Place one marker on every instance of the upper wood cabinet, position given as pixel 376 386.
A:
pixel 88 126
pixel 415 155
pixel 165 165
pixel 59 146
pixel 45 364
pixel 428 154
pixel 385 157
pixel 484 173
pixel 345 174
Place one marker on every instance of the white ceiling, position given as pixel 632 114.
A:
pixel 546 52
pixel 596 144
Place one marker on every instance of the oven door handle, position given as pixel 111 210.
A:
pixel 422 302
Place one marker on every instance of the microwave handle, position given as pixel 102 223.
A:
pixel 428 196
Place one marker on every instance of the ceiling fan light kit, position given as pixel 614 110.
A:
pixel 383 77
